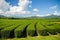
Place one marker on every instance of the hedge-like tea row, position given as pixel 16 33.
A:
pixel 8 32
pixel 31 29
pixel 41 30
pixel 43 27
pixel 20 31
pixel 57 28
pixel 4 26
pixel 51 27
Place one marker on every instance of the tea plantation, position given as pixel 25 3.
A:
pixel 29 29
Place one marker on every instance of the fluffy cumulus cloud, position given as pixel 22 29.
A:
pixel 36 10
pixel 21 9
pixel 8 10
pixel 4 6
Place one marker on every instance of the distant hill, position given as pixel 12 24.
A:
pixel 32 17
pixel 53 16
pixel 2 16
pixel 38 17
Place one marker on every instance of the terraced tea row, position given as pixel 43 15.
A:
pixel 24 28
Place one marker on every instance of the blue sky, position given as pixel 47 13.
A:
pixel 42 7
pixel 13 2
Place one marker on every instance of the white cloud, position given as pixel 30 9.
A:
pixel 30 6
pixel 15 10
pixel 56 13
pixel 48 14
pixel 35 10
pixel 1 12
pixel 23 4
pixel 4 6
pixel 21 9
pixel 30 2
pixel 43 15
pixel 40 15
pixel 53 7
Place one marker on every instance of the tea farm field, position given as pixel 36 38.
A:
pixel 30 29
